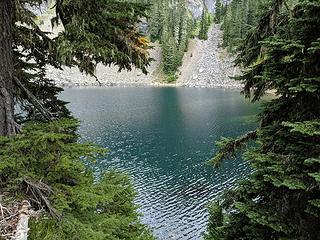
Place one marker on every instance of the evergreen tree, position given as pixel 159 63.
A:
pixel 218 11
pixel 205 23
pixel 94 32
pixel 169 53
pixel 281 199
pixel 157 19
pixel 46 166
pixel 239 18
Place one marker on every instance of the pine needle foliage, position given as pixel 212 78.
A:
pixel 94 32
pixel 46 166
pixel 280 200
pixel 238 18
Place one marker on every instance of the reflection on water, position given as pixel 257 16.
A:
pixel 162 137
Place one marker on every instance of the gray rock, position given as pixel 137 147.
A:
pixel 213 70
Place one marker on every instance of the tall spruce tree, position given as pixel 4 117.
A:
pixel 94 32
pixel 239 17
pixel 281 199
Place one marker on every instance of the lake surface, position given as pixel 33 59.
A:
pixel 162 138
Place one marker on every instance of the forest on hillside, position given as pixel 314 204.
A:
pixel 49 184
pixel 173 25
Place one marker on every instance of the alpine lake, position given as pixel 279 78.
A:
pixel 162 138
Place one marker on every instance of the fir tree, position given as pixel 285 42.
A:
pixel 205 23
pixel 46 166
pixel 172 25
pixel 239 18
pixel 280 200
pixel 94 32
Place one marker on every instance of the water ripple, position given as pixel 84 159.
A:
pixel 162 137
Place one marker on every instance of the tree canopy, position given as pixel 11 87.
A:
pixel 94 32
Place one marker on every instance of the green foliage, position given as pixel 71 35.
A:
pixel 48 156
pixel 172 25
pixel 169 54
pixel 205 22
pixel 280 200
pixel 310 128
pixel 102 210
pixel 94 32
pixel 215 221
pixel 238 19
pixel 228 147
pixel 219 11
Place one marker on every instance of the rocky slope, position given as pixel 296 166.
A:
pixel 208 65
pixel 195 7
pixel 107 76
pixel 204 65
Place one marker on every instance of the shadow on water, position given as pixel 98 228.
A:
pixel 162 138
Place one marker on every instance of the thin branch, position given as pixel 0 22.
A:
pixel 228 147
pixel 3 208
pixel 97 79
pixel 40 192
pixel 8 218
pixel 34 101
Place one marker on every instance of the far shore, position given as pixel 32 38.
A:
pixel 271 93
pixel 205 65
pixel 154 84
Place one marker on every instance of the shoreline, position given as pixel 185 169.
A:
pixel 142 85
pixel 271 93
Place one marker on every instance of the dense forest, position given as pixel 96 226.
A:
pixel 49 180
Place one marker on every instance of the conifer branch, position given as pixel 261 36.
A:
pixel 228 147
pixel 32 99
pixel 39 193
pixel 287 7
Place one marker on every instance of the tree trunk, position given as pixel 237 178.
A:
pixel 7 123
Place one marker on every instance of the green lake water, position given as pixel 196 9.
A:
pixel 162 137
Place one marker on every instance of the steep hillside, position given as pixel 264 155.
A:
pixel 208 65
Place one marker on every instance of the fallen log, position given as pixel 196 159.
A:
pixel 23 222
